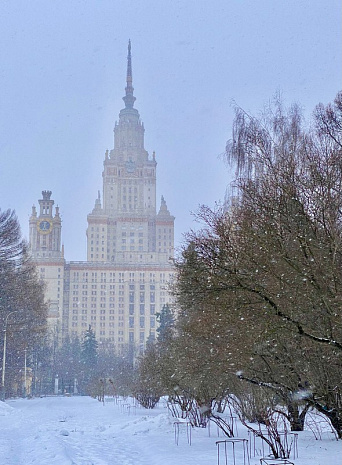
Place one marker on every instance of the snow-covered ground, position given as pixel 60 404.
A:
pixel 83 431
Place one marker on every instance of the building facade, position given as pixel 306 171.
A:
pixel 124 282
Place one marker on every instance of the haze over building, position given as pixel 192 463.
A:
pixel 130 246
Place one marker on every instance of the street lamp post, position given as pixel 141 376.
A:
pixel 25 373
pixel 4 357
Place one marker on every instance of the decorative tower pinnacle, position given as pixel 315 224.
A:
pixel 129 98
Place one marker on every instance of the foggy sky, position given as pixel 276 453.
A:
pixel 62 79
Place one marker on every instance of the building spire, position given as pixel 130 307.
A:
pixel 129 98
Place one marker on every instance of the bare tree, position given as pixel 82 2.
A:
pixel 22 308
pixel 272 262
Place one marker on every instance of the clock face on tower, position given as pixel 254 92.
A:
pixel 130 166
pixel 44 226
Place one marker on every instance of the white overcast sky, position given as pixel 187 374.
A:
pixel 62 79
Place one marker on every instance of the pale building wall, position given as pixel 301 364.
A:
pixel 120 303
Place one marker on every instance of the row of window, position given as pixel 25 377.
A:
pixel 105 327
pixel 102 277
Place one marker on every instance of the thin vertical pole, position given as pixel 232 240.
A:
pixel 3 364
pixel 4 356
pixel 25 373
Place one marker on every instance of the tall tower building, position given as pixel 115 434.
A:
pixel 123 283
pixel 47 251
pixel 126 229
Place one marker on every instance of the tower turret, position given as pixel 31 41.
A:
pixel 48 255
pixel 45 230
pixel 46 204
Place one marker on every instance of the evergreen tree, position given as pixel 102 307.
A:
pixel 89 348
pixel 166 322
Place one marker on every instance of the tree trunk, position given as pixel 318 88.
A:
pixel 295 417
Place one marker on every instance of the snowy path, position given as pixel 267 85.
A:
pixel 62 431
pixel 81 431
